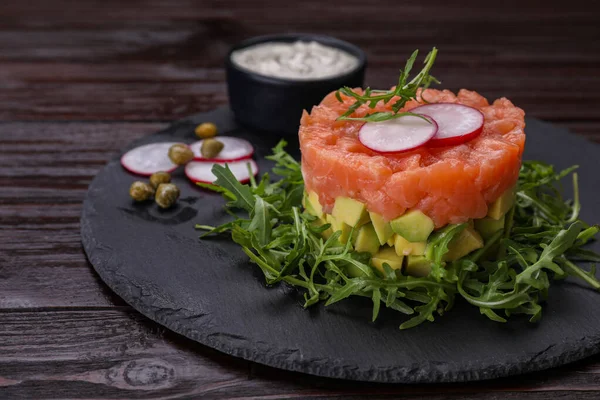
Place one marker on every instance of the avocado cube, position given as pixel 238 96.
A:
pixel 382 228
pixel 392 240
pixel 406 248
pixel 464 243
pixel 413 226
pixel 501 206
pixel 387 255
pixel 418 266
pixel 312 203
pixel 307 206
pixel 488 226
pixel 366 239
pixel 350 211
pixel 339 226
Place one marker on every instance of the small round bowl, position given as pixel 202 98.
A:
pixel 275 105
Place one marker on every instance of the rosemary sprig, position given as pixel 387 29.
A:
pixel 405 91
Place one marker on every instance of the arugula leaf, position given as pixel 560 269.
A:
pixel 403 92
pixel 239 194
pixel 559 245
pixel 376 297
pixel 381 116
pixel 512 274
pixel 350 288
pixel 425 311
pixel 438 246
pixel 261 221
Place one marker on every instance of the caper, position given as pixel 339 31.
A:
pixel 180 154
pixel 141 191
pixel 211 148
pixel 206 130
pixel 166 195
pixel 159 177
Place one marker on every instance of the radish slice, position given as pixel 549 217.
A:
pixel 234 149
pixel 148 159
pixel 397 135
pixel 457 123
pixel 201 171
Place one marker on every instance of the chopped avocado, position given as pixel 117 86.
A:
pixel 366 239
pixel 350 211
pixel 418 266
pixel 488 226
pixel 308 208
pixel 466 241
pixel 501 206
pixel 312 204
pixel 414 226
pixel 406 248
pixel 339 226
pixel 382 228
pixel 387 255
pixel 392 240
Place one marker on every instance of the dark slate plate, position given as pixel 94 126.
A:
pixel 207 291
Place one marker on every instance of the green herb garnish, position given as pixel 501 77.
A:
pixel 511 274
pixel 405 91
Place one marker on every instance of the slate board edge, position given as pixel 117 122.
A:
pixel 428 373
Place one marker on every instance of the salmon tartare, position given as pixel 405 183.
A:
pixel 446 185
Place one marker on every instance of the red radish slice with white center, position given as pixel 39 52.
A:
pixel 457 123
pixel 397 135
pixel 234 149
pixel 148 159
pixel 201 171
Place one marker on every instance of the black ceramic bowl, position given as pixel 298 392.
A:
pixel 275 105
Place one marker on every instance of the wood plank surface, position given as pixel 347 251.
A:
pixel 87 60
pixel 81 79
pixel 119 354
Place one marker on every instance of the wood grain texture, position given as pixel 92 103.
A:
pixel 119 354
pixel 79 80
pixel 92 60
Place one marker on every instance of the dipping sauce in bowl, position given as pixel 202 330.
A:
pixel 271 79
pixel 295 60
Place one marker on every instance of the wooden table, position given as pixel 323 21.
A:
pixel 79 80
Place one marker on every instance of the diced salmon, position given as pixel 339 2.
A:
pixel 449 184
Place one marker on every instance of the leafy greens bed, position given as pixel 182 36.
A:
pixel 540 243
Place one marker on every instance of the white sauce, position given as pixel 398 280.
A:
pixel 298 60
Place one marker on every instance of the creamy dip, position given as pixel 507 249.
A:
pixel 298 60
